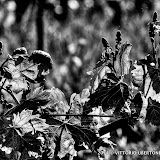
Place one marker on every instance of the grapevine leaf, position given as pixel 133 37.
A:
pixel 29 71
pixel 31 104
pixel 137 75
pixel 31 143
pixel 151 69
pixel 16 85
pixel 12 139
pixel 122 63
pixel 39 98
pixel 25 122
pixel 77 102
pixel 13 78
pixel 57 103
pixel 24 154
pixel 20 51
pixel 44 61
pixel 85 134
pixel 66 144
pixel 98 74
pixel 2 156
pixel 85 119
pixel 153 112
pixel 38 92
pixel 110 94
pixel 103 66
pixel 19 55
pixel 155 77
pixel 136 106
pixel 3 126
pixel 99 122
pixel 20 69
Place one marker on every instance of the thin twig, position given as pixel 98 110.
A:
pixel 148 89
pixel 4 62
pixel 88 115
pixel 12 95
pixel 153 47
pixel 3 83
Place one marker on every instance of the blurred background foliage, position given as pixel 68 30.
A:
pixel 71 31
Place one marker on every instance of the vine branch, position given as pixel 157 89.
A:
pixel 88 115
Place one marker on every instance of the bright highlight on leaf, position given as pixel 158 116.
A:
pixel 122 63
pixel 26 122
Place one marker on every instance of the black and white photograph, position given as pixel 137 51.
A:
pixel 79 79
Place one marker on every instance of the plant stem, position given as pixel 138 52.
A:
pixel 39 25
pixel 154 51
pixel 4 62
pixel 3 83
pixel 88 115
pixel 148 89
pixel 12 95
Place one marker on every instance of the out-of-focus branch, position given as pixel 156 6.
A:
pixel 39 24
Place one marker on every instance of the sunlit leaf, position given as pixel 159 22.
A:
pixel 157 26
pixel 77 102
pixel 38 91
pixel 98 74
pixel 57 103
pixel 137 75
pixel 67 144
pixel 122 63
pixel 7 150
pixel 102 66
pixel 20 69
pixel 99 122
pixel 26 122
pixel 16 82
